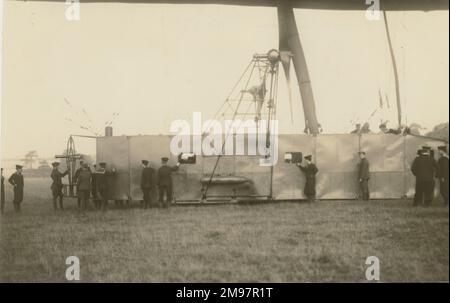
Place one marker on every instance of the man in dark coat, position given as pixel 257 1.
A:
pixel 101 182
pixel 164 181
pixel 365 129
pixel 363 176
pixel 94 188
pixel 147 183
pixel 423 168
pixel 385 130
pixel 442 172
pixel 84 185
pixel 57 185
pixel 2 194
pixel 75 177
pixel 310 170
pixel 17 181
pixel 431 155
pixel 357 129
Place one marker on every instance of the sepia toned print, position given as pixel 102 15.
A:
pixel 224 141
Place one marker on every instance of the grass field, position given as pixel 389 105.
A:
pixel 285 242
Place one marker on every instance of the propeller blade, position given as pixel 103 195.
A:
pixel 285 57
pixel 289 40
pixel 380 99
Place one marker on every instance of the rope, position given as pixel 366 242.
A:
pixel 272 99
pixel 228 132
pixel 231 92
pixel 394 66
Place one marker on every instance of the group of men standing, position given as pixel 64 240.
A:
pixel 310 170
pixel 88 182
pixel 163 182
pixel 426 169
pixel 94 182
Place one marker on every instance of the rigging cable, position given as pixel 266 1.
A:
pixel 228 132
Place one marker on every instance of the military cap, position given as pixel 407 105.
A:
pixel 164 159
pixel 425 151
pixel 55 164
pixel 362 152
pixel 443 148
pixel 145 162
pixel 19 166
pixel 308 157
pixel 102 164
pixel 426 147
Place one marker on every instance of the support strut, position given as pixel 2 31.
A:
pixel 289 40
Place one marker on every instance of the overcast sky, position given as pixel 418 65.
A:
pixel 157 63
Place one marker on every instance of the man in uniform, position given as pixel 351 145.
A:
pixel 94 188
pixel 101 182
pixel 385 130
pixel 363 176
pixel 430 152
pixel 57 185
pixel 147 183
pixel 77 172
pixel 2 194
pixel 442 172
pixel 365 129
pixel 84 185
pixel 423 168
pixel 310 170
pixel 357 129
pixel 164 181
pixel 433 160
pixel 17 181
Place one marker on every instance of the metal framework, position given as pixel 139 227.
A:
pixel 71 156
pixel 265 68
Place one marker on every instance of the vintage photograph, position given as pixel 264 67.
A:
pixel 224 141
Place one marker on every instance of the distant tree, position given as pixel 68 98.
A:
pixel 43 164
pixel 415 129
pixel 440 131
pixel 29 158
